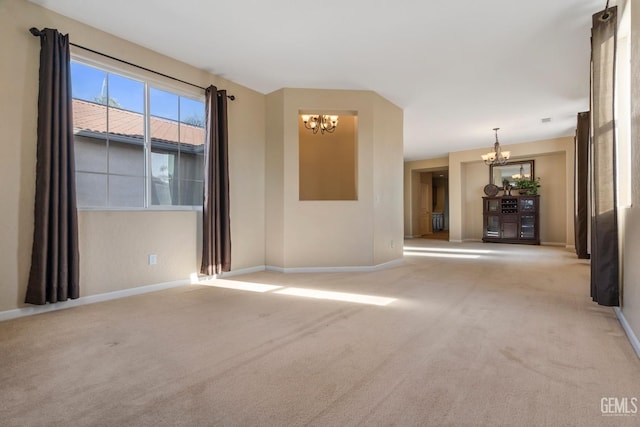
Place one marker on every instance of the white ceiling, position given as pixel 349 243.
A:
pixel 456 68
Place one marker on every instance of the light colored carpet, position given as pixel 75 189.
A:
pixel 506 335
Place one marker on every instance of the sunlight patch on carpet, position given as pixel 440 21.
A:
pixel 336 296
pixel 448 250
pixel 440 255
pixel 240 286
pixel 300 292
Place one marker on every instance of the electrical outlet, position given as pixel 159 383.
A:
pixel 153 259
pixel 393 244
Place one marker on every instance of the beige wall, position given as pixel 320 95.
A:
pixel 631 230
pixel 112 264
pixel 556 199
pixel 475 176
pixel 274 181
pixel 114 244
pixel 468 175
pixel 333 233
pixel 387 180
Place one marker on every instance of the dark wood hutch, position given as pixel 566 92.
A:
pixel 511 219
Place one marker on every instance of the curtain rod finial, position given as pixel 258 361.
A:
pixel 35 31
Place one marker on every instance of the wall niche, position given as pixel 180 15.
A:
pixel 328 162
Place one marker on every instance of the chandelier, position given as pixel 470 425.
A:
pixel 316 122
pixel 521 174
pixel 497 156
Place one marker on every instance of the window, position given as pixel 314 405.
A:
pixel 136 145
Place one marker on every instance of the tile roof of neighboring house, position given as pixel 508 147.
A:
pixel 93 117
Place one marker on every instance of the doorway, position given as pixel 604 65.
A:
pixel 431 204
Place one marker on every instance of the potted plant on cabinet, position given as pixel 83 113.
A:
pixel 528 186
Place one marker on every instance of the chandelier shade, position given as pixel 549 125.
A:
pixel 497 156
pixel 322 122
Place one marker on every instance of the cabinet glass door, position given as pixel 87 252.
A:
pixel 493 205
pixel 527 205
pixel 527 227
pixel 492 228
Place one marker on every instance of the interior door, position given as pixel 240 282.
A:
pixel 425 208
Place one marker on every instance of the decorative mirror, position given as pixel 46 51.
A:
pixel 510 172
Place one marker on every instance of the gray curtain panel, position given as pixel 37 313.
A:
pixel 54 272
pixel 216 229
pixel 604 217
pixel 581 169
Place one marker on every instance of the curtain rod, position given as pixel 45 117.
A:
pixel 38 33
pixel 605 15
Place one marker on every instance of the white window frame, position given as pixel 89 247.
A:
pixel 149 81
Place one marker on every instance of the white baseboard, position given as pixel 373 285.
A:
pixel 242 271
pixel 553 244
pixel 38 309
pixel 197 278
pixel 345 269
pixel 633 339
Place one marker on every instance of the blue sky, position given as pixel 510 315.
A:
pixel 90 83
